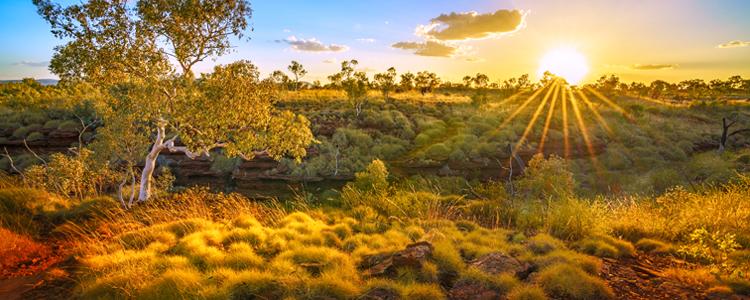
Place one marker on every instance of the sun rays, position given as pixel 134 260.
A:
pixel 556 106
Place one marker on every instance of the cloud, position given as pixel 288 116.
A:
pixel 366 40
pixel 287 30
pixel 330 61
pixel 33 63
pixel 649 67
pixel 472 25
pixel 734 44
pixel 429 48
pixel 312 45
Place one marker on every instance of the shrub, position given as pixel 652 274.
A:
pixel 35 136
pixel 568 282
pixel 69 125
pixel 21 133
pixel 547 178
pixel 52 124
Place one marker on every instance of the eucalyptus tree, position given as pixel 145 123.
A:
pixel 298 71
pixel 426 81
pixel 407 81
pixel 354 83
pixel 142 54
pixel 386 81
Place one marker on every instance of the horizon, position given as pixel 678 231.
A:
pixel 646 41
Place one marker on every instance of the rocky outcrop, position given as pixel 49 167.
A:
pixel 497 263
pixel 386 264
pixel 469 290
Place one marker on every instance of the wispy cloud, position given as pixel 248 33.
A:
pixel 33 63
pixel 366 40
pixel 312 45
pixel 648 67
pixel 330 61
pixel 734 44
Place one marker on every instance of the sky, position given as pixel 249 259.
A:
pixel 638 40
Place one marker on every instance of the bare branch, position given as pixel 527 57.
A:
pixel 34 153
pixel 12 165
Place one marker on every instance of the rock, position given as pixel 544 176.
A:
pixel 497 263
pixel 380 294
pixel 412 256
pixel 468 290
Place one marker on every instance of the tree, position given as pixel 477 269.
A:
pixel 407 81
pixel 426 82
pixel 280 79
pixel 659 88
pixel 523 82
pixel 298 71
pixel 125 47
pixel 726 124
pixel 354 82
pixel 481 81
pixel 468 80
pixel 386 81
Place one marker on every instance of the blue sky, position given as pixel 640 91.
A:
pixel 614 36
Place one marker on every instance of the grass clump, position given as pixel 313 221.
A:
pixel 568 282
pixel 543 243
pixel 502 283
pixel 739 286
pixel 606 246
pixel 654 246
pixel 527 292
pixel 589 264
pixel 422 291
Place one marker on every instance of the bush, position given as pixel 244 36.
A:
pixel 568 282
pixel 21 133
pixel 547 179
pixel 52 124
pixel 35 136
pixel 69 125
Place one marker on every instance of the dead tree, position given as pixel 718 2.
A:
pixel 725 134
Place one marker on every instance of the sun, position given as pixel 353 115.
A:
pixel 565 62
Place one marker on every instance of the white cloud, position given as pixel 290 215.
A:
pixel 734 44
pixel 312 45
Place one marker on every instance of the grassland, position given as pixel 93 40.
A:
pixel 653 190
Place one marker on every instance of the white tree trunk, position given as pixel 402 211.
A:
pixel 150 164
pixel 148 172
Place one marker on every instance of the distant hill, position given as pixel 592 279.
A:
pixel 42 81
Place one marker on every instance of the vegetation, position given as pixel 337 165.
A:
pixel 513 189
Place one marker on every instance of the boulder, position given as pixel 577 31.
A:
pixel 384 264
pixel 381 294
pixel 497 263
pixel 468 290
